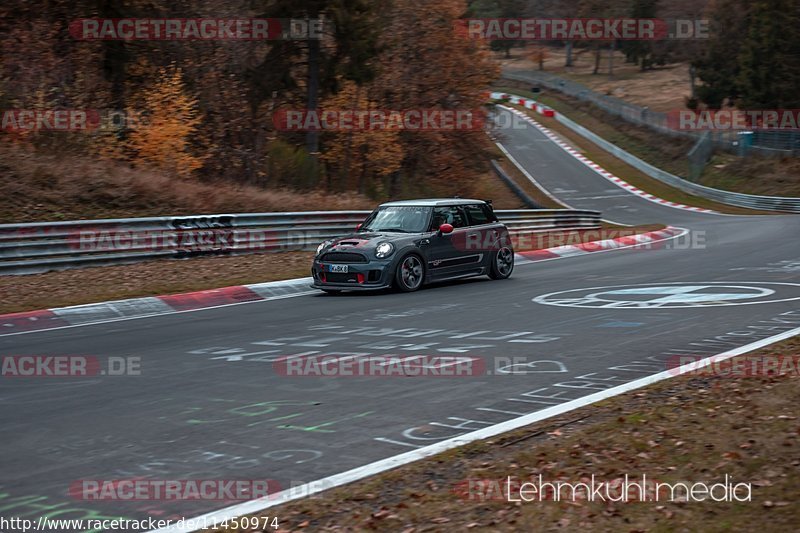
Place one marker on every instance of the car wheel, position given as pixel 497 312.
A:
pixel 502 263
pixel 333 292
pixel 410 273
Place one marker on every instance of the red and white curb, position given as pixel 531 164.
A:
pixel 80 315
pixel 97 313
pixel 641 241
pixel 546 111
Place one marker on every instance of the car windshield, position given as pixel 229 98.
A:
pixel 401 219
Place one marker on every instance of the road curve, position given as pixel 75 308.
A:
pixel 209 405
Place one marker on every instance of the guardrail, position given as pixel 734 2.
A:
pixel 751 201
pixel 37 247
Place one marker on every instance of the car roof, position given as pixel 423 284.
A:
pixel 434 202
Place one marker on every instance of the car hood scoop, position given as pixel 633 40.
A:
pixel 364 239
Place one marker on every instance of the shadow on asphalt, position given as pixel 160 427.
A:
pixel 431 287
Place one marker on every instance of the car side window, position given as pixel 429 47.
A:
pixel 477 215
pixel 452 215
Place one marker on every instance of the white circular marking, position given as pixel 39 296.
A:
pixel 672 295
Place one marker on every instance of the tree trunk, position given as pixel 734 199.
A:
pixel 596 59
pixel 349 144
pixel 394 184
pixel 312 137
pixel 611 60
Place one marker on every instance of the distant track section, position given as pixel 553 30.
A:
pixel 748 201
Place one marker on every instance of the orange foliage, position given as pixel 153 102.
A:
pixel 360 152
pixel 164 142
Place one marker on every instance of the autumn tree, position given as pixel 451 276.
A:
pixel 640 52
pixel 718 67
pixel 317 65
pixel 361 157
pixel 493 9
pixel 172 120
pixel 769 60
pixel 424 64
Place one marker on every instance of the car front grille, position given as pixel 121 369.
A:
pixel 343 257
pixel 337 277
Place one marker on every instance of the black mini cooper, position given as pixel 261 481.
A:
pixel 409 243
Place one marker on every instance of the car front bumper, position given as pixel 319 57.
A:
pixel 372 275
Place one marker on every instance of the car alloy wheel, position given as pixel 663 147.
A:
pixel 410 273
pixel 503 263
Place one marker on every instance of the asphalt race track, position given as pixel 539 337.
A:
pixel 209 405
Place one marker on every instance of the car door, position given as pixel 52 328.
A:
pixel 450 254
pixel 483 232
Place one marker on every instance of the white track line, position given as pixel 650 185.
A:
pixel 619 182
pixel 531 178
pixel 395 461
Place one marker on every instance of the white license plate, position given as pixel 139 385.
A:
pixel 342 269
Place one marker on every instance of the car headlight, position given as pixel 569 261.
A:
pixel 384 249
pixel 323 246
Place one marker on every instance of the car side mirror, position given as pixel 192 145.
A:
pixel 358 228
pixel 445 229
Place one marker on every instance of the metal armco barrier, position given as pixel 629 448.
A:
pixel 751 201
pixel 37 247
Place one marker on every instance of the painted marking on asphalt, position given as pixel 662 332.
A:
pixel 781 267
pixel 533 367
pixel 578 385
pixel 395 461
pixel 673 295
